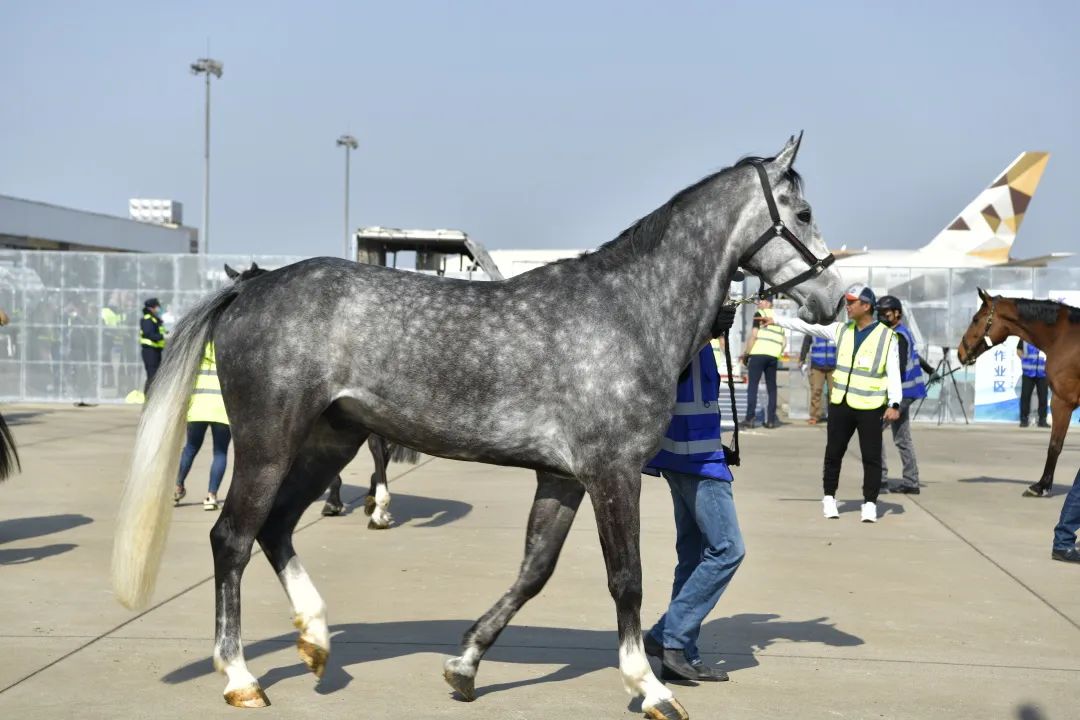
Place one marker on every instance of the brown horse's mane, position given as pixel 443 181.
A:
pixel 1044 311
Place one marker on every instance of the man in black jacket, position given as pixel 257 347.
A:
pixel 152 339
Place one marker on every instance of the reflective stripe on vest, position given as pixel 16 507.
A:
pixel 207 404
pixel 860 377
pixel 143 340
pixel 1034 361
pixel 691 443
pixel 770 338
pixel 823 354
pixel 913 382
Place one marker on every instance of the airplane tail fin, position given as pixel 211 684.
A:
pixel 987 227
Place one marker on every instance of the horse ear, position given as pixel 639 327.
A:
pixel 230 272
pixel 786 157
pixel 985 296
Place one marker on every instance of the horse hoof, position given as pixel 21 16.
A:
pixel 251 696
pixel 369 504
pixel 1036 491
pixel 313 656
pixel 670 709
pixel 332 509
pixel 372 525
pixel 465 685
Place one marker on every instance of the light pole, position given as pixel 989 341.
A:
pixel 208 67
pixel 349 143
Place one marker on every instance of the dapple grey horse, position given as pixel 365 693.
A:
pixel 569 370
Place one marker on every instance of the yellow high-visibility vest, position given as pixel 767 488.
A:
pixel 143 340
pixel 771 339
pixel 207 405
pixel 862 380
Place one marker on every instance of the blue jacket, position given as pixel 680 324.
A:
pixel 692 442
pixel 1033 362
pixel 913 381
pixel 823 354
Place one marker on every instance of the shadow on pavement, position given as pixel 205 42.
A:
pixel 735 640
pixel 415 510
pixel 32 527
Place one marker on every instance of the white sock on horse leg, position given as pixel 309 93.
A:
pixel 308 607
pixel 638 676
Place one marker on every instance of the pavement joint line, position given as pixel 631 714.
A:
pixel 189 588
pixel 996 564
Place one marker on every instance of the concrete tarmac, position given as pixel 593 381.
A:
pixel 948 607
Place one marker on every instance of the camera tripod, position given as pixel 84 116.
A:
pixel 945 370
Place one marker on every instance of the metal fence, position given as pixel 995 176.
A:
pixel 74 331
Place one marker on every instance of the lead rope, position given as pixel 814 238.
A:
pixel 731 455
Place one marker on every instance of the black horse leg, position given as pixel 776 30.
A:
pixel 377 502
pixel 553 510
pixel 323 456
pixel 254 485
pixel 333 505
pixel 1062 415
pixel 616 501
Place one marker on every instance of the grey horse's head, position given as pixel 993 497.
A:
pixel 778 260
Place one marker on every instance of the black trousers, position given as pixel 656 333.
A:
pixel 1027 384
pixel 843 422
pixel 151 358
pixel 759 365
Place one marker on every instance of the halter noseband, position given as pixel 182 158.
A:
pixel 969 351
pixel 778 229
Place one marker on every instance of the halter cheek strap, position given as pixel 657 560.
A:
pixel 780 230
pixel 986 331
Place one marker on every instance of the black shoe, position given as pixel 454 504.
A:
pixel 771 424
pixel 906 490
pixel 749 423
pixel 1044 424
pixel 652 647
pixel 1024 423
pixel 1071 555
pixel 677 667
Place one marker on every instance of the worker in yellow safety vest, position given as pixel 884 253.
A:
pixel 762 357
pixel 206 409
pixel 151 339
pixel 867 389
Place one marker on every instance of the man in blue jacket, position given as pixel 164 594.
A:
pixel 708 542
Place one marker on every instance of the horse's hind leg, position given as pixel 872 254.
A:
pixel 1062 411
pixel 616 502
pixel 251 494
pixel 324 454
pixel 377 502
pixel 553 510
pixel 333 505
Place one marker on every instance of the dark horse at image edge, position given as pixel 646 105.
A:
pixel 569 370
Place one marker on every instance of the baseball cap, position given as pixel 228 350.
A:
pixel 861 292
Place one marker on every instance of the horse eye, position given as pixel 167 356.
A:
pixel 804 215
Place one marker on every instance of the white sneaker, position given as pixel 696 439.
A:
pixel 828 506
pixel 869 512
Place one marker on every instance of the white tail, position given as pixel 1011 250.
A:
pixel 987 227
pixel 145 512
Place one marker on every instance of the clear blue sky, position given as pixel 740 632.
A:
pixel 537 125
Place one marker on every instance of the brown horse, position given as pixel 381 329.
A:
pixel 1050 326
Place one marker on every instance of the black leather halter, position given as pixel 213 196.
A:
pixel 779 230
pixel 969 352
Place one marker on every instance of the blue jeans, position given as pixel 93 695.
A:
pixel 196 431
pixel 709 547
pixel 1065 532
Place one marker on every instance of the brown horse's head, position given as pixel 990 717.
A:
pixel 988 328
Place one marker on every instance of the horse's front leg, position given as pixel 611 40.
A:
pixel 1062 414
pixel 554 508
pixel 616 501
